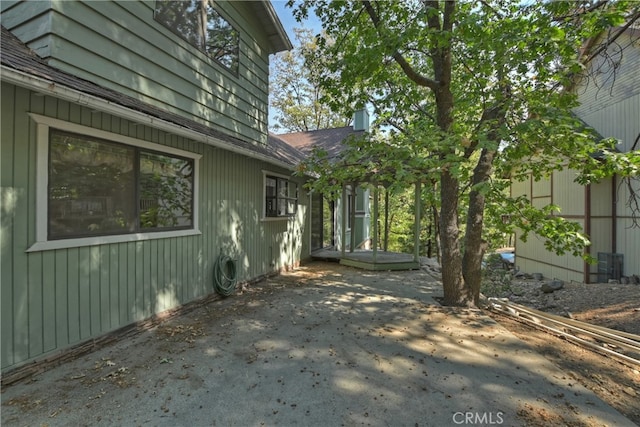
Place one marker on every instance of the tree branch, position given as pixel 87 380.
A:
pixel 412 74
pixel 610 40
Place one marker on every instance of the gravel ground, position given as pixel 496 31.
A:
pixel 615 306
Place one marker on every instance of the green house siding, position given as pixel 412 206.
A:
pixel 120 46
pixel 52 299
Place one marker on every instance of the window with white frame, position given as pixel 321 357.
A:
pixel 98 187
pixel 281 196
pixel 203 26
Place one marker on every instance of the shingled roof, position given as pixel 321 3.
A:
pixel 330 140
pixel 17 56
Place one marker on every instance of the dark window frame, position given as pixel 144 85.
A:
pixel 273 201
pixel 137 153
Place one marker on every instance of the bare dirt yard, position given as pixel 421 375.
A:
pixel 286 346
pixel 615 306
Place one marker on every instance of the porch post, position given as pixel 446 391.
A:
pixel 375 224
pixel 416 238
pixel 385 246
pixel 343 220
pixel 352 219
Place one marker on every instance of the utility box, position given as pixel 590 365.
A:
pixel 610 266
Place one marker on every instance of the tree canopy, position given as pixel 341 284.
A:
pixel 476 93
pixel 295 92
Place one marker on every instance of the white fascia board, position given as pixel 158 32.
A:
pixel 66 93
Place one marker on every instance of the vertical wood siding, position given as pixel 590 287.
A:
pixel 120 46
pixel 57 298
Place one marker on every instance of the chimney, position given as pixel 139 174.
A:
pixel 361 120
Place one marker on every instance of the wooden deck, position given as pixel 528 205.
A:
pixel 367 260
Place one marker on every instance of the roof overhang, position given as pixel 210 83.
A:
pixel 48 87
pixel 278 38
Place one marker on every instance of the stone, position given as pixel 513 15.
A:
pixel 552 286
pixel 517 291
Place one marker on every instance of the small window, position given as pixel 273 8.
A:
pixel 200 24
pixel 281 197
pixel 98 187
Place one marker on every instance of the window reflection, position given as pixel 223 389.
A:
pixel 200 23
pixel 99 187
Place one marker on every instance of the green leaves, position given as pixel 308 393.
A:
pixel 456 84
pixel 296 94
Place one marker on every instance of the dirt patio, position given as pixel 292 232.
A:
pixel 323 345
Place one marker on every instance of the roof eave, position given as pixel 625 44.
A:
pixel 278 37
pixel 48 87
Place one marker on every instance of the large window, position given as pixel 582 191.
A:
pixel 98 187
pixel 199 23
pixel 281 196
pixel 95 187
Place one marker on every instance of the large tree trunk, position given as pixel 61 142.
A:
pixel 475 247
pixel 452 279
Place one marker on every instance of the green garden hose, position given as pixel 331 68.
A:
pixel 224 275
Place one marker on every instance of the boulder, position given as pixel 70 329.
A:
pixel 552 286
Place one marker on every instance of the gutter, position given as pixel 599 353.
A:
pixel 66 93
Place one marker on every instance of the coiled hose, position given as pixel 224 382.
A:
pixel 224 275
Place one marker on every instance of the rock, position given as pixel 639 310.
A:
pixel 546 288
pixel 552 286
pixel 630 391
pixel 614 282
pixel 537 276
pixel 517 291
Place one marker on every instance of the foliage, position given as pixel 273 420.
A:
pixel 472 91
pixel 295 93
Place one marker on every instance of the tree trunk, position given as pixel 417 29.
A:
pixel 452 280
pixel 435 240
pixel 475 247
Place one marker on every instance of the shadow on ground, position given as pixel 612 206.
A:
pixel 324 345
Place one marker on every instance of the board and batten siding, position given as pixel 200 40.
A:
pixel 53 299
pixel 611 105
pixel 120 46
pixel 532 256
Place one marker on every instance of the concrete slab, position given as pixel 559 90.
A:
pixel 325 345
